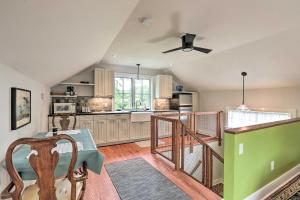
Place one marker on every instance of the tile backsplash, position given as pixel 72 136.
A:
pixel 161 104
pixel 105 104
pixel 100 104
pixel 95 104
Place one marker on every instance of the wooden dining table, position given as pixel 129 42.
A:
pixel 87 153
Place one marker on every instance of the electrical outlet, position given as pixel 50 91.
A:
pixel 241 149
pixel 272 165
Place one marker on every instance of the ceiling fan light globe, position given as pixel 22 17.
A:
pixel 188 49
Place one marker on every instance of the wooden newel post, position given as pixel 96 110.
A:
pixel 208 165
pixel 219 132
pixel 177 144
pixel 153 134
pixel 182 147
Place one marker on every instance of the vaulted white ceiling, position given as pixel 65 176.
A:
pixel 50 40
pixel 260 37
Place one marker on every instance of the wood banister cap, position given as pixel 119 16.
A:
pixel 260 126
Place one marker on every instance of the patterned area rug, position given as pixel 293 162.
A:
pixel 290 191
pixel 296 196
pixel 136 179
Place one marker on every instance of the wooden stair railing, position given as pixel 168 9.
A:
pixel 208 154
pixel 180 131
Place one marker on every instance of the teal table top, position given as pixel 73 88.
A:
pixel 89 153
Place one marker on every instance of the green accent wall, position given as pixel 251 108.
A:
pixel 244 174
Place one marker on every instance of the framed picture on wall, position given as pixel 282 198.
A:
pixel 20 108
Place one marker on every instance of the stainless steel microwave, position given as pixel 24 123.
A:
pixel 60 108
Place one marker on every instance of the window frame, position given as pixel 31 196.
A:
pixel 292 112
pixel 133 77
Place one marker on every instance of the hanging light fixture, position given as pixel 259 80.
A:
pixel 243 106
pixel 138 71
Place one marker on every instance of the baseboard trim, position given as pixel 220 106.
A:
pixel 268 189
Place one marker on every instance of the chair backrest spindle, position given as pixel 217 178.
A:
pixel 64 121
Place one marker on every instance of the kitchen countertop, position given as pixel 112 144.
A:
pixel 118 112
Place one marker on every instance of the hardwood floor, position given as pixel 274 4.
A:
pixel 100 187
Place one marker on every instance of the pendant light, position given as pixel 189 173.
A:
pixel 243 106
pixel 138 71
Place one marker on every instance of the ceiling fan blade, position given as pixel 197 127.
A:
pixel 176 49
pixel 203 50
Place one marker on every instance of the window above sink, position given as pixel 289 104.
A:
pixel 131 93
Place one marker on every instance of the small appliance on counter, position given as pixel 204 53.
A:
pixel 71 91
pixel 85 109
pixel 60 108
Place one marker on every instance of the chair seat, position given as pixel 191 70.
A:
pixel 63 190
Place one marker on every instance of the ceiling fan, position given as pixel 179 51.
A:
pixel 188 45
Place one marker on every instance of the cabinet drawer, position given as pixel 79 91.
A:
pixel 88 118
pixel 118 116
pixel 100 117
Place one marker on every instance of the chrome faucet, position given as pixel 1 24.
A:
pixel 138 104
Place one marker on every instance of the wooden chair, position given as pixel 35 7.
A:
pixel 47 187
pixel 65 121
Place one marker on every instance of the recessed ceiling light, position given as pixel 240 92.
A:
pixel 114 55
pixel 171 64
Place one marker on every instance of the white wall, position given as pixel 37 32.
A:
pixel 280 98
pixel 40 106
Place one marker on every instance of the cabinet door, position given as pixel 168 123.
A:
pixel 195 102
pixel 104 83
pixel 89 124
pixel 109 83
pixel 169 86
pixel 164 86
pixel 135 131
pixel 99 133
pixel 124 133
pixel 98 81
pixel 145 129
pixel 140 130
pixel 112 130
pixel 159 86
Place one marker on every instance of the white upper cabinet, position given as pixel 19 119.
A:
pixel 104 83
pixel 164 85
pixel 195 101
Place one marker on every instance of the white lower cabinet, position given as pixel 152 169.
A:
pixel 99 133
pixel 86 122
pixel 118 128
pixel 140 130
pixel 124 129
pixel 111 128
pixel 112 131
pixel 165 127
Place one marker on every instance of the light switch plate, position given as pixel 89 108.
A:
pixel 241 149
pixel 272 165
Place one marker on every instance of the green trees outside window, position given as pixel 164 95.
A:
pixel 131 93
